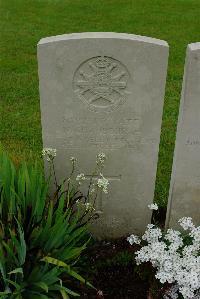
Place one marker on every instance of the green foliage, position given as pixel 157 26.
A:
pixel 41 237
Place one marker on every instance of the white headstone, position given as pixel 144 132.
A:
pixel 103 92
pixel 184 196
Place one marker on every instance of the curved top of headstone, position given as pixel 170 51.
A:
pixel 194 46
pixel 110 35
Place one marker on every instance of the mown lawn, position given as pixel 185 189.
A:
pixel 24 22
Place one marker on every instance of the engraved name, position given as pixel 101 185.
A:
pixel 93 132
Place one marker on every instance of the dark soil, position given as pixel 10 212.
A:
pixel 117 283
pixel 113 273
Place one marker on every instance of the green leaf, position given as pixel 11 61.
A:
pixel 64 294
pixel 56 262
pixel 2 270
pixel 80 278
pixel 5 293
pixel 22 250
pixel 71 292
pixel 42 285
pixel 17 270
pixel 10 252
pixel 68 291
pixel 16 285
pixel 71 272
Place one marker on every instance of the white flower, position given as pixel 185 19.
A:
pixel 80 178
pixel 92 190
pixel 164 276
pixel 49 153
pixel 153 206
pixel 168 265
pixel 103 183
pixel 89 207
pixel 133 239
pixel 150 225
pixel 186 223
pixel 195 233
pixel 101 157
pixel 152 235
pixel 186 292
pixel 73 159
pixel 175 238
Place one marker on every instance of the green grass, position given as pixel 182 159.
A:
pixel 24 22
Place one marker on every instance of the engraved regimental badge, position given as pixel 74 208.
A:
pixel 101 82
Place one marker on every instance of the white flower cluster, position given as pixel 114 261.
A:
pixel 133 239
pixel 153 206
pixel 73 159
pixel 80 178
pixel 92 189
pixel 101 157
pixel 103 183
pixel 186 223
pixel 49 153
pixel 176 263
pixel 89 207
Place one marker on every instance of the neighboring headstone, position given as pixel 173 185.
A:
pixel 184 196
pixel 103 92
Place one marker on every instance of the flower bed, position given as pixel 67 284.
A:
pixel 46 250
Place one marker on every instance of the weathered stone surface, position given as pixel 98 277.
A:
pixel 184 196
pixel 103 92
